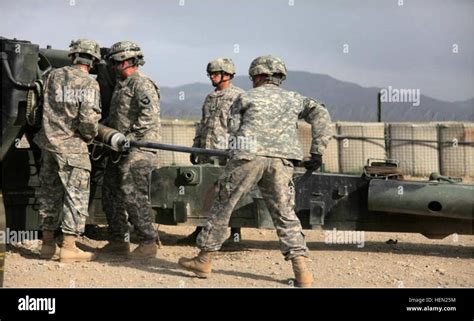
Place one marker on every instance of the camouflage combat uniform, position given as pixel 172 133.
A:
pixel 212 131
pixel 135 112
pixel 71 112
pixel 267 118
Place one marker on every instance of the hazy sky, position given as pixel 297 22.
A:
pixel 407 46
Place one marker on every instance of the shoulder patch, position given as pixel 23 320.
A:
pixel 145 100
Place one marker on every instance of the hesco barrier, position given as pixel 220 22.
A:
pixel 176 132
pixel 330 157
pixel 355 147
pixel 421 148
pixel 418 154
pixel 457 157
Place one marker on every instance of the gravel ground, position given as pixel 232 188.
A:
pixel 413 261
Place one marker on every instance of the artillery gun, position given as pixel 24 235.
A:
pixel 24 66
pixel 379 200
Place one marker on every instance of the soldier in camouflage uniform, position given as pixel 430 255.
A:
pixel 212 131
pixel 71 112
pixel 135 112
pixel 267 127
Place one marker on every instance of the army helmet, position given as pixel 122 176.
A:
pixel 268 65
pixel 84 46
pixel 124 50
pixel 221 65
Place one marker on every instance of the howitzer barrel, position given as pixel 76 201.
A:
pixel 436 199
pixel 117 141
pixel 111 137
pixel 56 58
pixel 181 149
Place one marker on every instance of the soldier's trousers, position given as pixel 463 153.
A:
pixel 274 178
pixel 64 192
pixel 125 196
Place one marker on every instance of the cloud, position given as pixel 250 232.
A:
pixel 408 46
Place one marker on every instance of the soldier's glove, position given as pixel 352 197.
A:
pixel 314 162
pixel 194 159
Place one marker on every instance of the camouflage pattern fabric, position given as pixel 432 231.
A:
pixel 213 128
pixel 71 111
pixel 125 196
pixel 64 193
pixel 125 50
pixel 113 203
pixel 135 111
pixel 135 108
pixel 221 64
pixel 267 65
pixel 274 178
pixel 265 119
pixel 85 46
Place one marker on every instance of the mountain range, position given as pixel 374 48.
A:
pixel 345 101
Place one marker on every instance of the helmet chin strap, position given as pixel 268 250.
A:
pixel 220 81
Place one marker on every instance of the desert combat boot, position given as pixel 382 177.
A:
pixel 49 250
pixel 70 253
pixel 303 276
pixel 200 265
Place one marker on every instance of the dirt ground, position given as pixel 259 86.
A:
pixel 414 261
